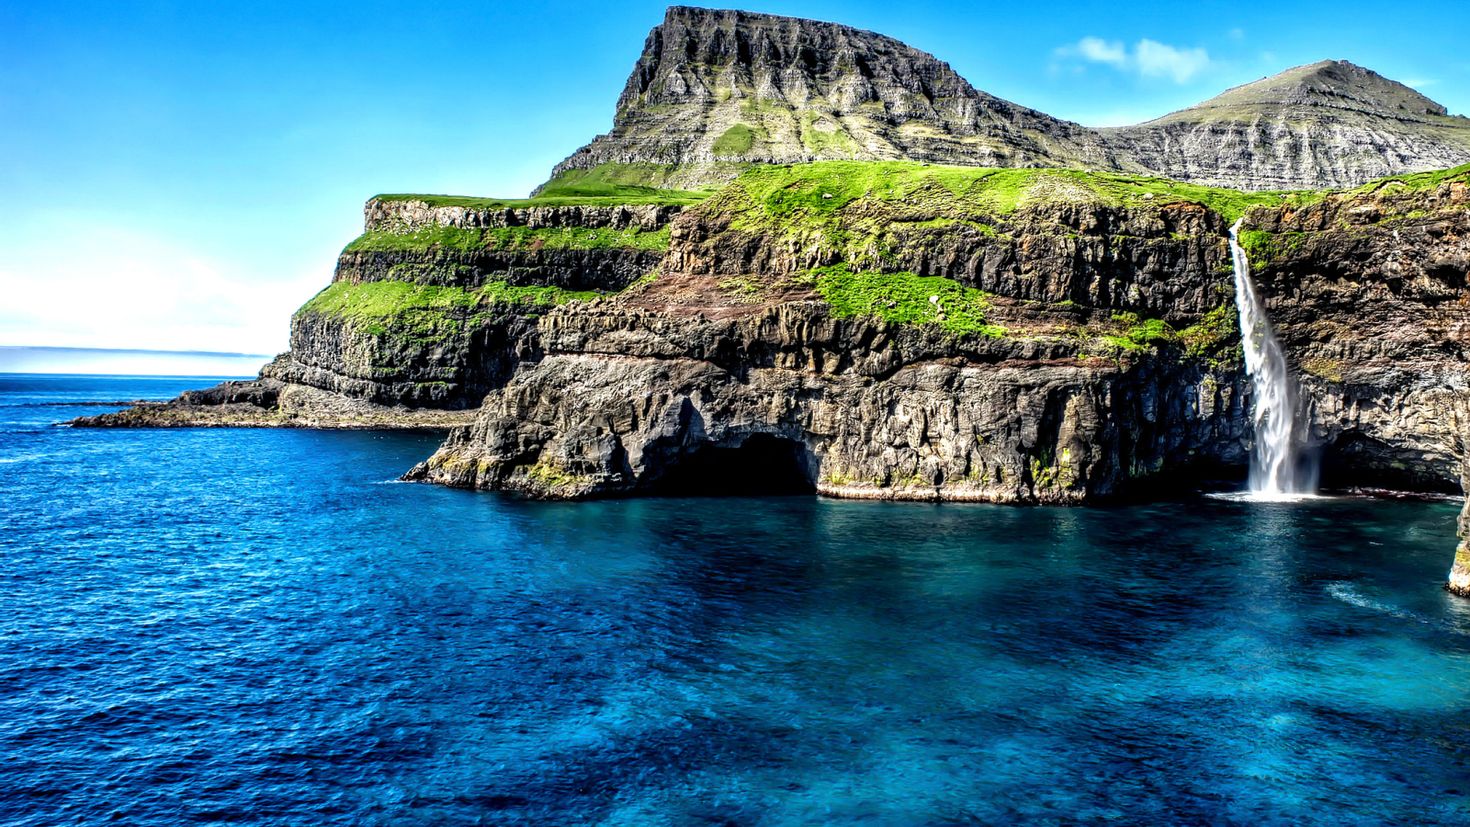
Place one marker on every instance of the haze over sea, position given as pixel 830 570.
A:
pixel 260 627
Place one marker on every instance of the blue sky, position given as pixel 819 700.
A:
pixel 181 175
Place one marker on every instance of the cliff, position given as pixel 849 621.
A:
pixel 793 312
pixel 900 331
pixel 716 91
pixel 1371 295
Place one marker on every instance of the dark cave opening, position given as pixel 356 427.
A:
pixel 1358 461
pixel 761 465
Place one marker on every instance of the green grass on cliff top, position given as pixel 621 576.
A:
pixel 517 239
pixel 787 188
pixel 384 305
pixel 827 186
pixel 608 185
pixel 1414 181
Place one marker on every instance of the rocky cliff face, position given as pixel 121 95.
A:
pixel 950 334
pixel 1371 296
pixel 612 409
pixel 716 91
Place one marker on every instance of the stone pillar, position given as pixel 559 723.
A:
pixel 1460 571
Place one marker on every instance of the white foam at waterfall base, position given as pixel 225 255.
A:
pixel 1278 470
pixel 1266 497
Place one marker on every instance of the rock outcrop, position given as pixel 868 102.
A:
pixel 716 91
pixel 1369 295
pixel 899 332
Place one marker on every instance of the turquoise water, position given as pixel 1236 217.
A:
pixel 260 627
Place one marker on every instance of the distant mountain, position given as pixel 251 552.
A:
pixel 1328 124
pixel 716 91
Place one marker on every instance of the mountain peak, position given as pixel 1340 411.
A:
pixel 716 90
pixel 1331 84
pixel 1325 124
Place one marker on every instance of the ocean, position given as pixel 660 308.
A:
pixel 262 627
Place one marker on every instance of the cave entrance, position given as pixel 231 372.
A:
pixel 761 465
pixel 1355 460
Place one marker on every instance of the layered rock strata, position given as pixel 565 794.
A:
pixel 964 334
pixel 1328 124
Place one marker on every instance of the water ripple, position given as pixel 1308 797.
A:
pixel 257 627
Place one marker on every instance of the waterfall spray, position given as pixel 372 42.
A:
pixel 1277 467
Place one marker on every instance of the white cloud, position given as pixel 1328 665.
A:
pixel 1101 51
pixel 117 287
pixel 1148 58
pixel 1156 59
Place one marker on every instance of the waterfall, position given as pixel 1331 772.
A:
pixel 1277 467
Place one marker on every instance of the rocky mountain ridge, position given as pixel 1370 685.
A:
pixel 715 91
pixel 1329 124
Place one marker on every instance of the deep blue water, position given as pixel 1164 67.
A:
pixel 258 627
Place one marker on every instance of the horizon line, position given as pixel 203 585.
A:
pixel 68 349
